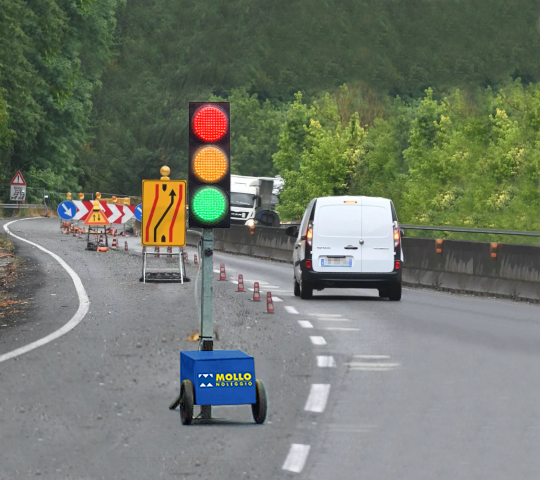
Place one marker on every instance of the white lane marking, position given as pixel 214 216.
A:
pixel 323 315
pixel 317 340
pixel 342 329
pixel 333 319
pixel 326 361
pixel 371 366
pixel 305 324
pixel 373 357
pixel 84 302
pixel 291 310
pixel 276 299
pixel 318 397
pixel 296 459
pixel 216 271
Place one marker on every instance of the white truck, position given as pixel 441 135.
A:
pixel 250 197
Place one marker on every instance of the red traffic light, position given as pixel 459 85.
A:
pixel 210 123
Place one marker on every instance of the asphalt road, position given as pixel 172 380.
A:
pixel 435 386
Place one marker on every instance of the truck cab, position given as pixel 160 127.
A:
pixel 248 197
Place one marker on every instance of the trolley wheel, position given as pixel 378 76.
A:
pixel 260 407
pixel 187 398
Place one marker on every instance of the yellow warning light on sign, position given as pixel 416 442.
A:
pixel 210 164
pixel 163 213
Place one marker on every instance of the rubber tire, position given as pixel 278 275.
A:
pixel 306 290
pixel 394 293
pixel 187 399
pixel 383 293
pixel 260 407
pixel 296 288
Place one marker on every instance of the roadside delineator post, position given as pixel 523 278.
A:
pixel 114 242
pixel 169 252
pixel 195 259
pixel 240 283
pixel 222 275
pixel 125 246
pixel 256 292
pixel 269 303
pixel 186 257
pixel 100 238
pixel 96 240
pixel 156 250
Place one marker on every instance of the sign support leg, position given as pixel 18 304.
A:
pixel 206 341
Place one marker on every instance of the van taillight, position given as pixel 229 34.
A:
pixel 397 265
pixel 309 236
pixel 308 263
pixel 397 236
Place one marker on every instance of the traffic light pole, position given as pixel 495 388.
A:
pixel 206 337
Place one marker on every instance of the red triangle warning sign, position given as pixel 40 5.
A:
pixel 18 179
pixel 97 217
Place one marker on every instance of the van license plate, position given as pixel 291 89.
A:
pixel 336 262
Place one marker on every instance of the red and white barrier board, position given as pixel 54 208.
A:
pixel 115 213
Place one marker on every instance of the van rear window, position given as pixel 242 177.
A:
pixel 339 221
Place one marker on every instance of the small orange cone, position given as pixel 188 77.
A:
pixel 240 283
pixel 269 303
pixel 256 292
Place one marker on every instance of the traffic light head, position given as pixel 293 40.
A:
pixel 209 164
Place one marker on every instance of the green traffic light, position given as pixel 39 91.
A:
pixel 209 204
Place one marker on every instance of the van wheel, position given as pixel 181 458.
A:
pixel 296 288
pixel 394 293
pixel 383 293
pixel 306 290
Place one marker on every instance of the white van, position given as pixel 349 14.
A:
pixel 348 242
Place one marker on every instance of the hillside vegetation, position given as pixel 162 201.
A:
pixel 435 104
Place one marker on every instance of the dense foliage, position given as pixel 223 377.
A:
pixel 431 103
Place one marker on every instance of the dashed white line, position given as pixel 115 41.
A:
pixel 342 329
pixel 277 299
pixel 326 361
pixel 317 340
pixel 371 366
pixel 291 310
pixel 296 459
pixel 305 324
pixel 318 397
pixel 333 319
pixel 323 315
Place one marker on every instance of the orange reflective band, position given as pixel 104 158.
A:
pixel 210 164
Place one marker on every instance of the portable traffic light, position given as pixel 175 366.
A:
pixel 209 164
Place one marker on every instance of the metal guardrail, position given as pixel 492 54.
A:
pixel 24 205
pixel 451 229
pixel 471 230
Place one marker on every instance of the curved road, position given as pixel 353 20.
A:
pixel 435 386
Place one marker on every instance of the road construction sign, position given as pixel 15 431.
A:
pixel 97 218
pixel 18 188
pixel 163 213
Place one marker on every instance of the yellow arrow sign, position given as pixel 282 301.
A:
pixel 163 213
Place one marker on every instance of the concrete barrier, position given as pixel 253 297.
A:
pixel 464 267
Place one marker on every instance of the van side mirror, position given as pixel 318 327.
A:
pixel 292 231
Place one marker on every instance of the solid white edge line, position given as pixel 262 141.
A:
pixel 305 324
pixel 317 340
pixel 84 302
pixel 318 397
pixel 297 457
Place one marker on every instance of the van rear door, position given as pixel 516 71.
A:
pixel 337 230
pixel 377 234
